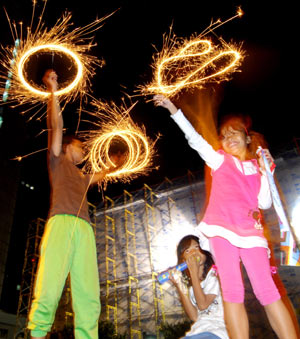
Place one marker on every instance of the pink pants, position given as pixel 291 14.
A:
pixel 227 259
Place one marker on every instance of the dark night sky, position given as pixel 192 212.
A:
pixel 262 88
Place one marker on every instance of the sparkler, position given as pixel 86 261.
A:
pixel 115 127
pixel 73 45
pixel 192 62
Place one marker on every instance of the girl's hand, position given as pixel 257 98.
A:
pixel 173 280
pixel 269 159
pixel 161 100
pixel 176 279
pixel 192 261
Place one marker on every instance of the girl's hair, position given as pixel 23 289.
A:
pixel 183 245
pixel 243 123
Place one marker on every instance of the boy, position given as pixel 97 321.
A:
pixel 68 244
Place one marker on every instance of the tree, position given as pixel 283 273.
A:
pixel 175 331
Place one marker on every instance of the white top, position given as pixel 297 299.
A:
pixel 212 318
pixel 214 160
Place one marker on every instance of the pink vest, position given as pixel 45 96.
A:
pixel 233 202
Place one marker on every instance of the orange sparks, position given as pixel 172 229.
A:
pixel 117 130
pixel 60 40
pixel 193 62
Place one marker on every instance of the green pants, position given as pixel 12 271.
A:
pixel 68 246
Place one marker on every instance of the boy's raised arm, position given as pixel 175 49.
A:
pixel 54 116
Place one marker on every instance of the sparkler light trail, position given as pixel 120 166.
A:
pixel 20 157
pixel 60 40
pixel 116 132
pixel 192 62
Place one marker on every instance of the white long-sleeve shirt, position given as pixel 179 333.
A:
pixel 214 159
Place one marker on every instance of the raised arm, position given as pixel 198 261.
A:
pixel 54 116
pixel 195 140
pixel 160 100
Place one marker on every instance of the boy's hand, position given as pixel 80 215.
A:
pixel 118 159
pixel 50 80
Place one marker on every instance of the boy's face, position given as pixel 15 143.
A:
pixel 75 151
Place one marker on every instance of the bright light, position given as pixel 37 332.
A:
pixel 193 62
pixel 61 39
pixel 50 48
pixel 295 220
pixel 192 65
pixel 115 124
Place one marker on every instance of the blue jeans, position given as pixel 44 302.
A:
pixel 203 335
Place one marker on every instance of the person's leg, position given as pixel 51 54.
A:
pixel 85 284
pixel 227 260
pixel 257 264
pixel 280 320
pixel 52 272
pixel 290 307
pixel 236 320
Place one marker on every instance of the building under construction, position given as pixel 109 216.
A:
pixel 136 238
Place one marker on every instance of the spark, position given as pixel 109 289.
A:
pixel 115 126
pixel 73 44
pixel 21 157
pixel 219 22
pixel 240 12
pixel 192 62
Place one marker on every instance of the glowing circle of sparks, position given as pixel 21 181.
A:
pixel 192 62
pixel 117 128
pixel 135 161
pixel 52 48
pixel 73 43
pixel 189 79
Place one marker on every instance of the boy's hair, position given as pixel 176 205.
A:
pixel 67 140
pixel 183 245
pixel 244 123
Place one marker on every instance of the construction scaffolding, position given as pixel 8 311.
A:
pixel 141 225
pixel 34 236
pixel 158 301
pixel 133 281
pixel 110 264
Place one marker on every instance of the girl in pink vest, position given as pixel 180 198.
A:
pixel 232 221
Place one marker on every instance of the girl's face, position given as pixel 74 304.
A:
pixel 194 249
pixel 235 142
